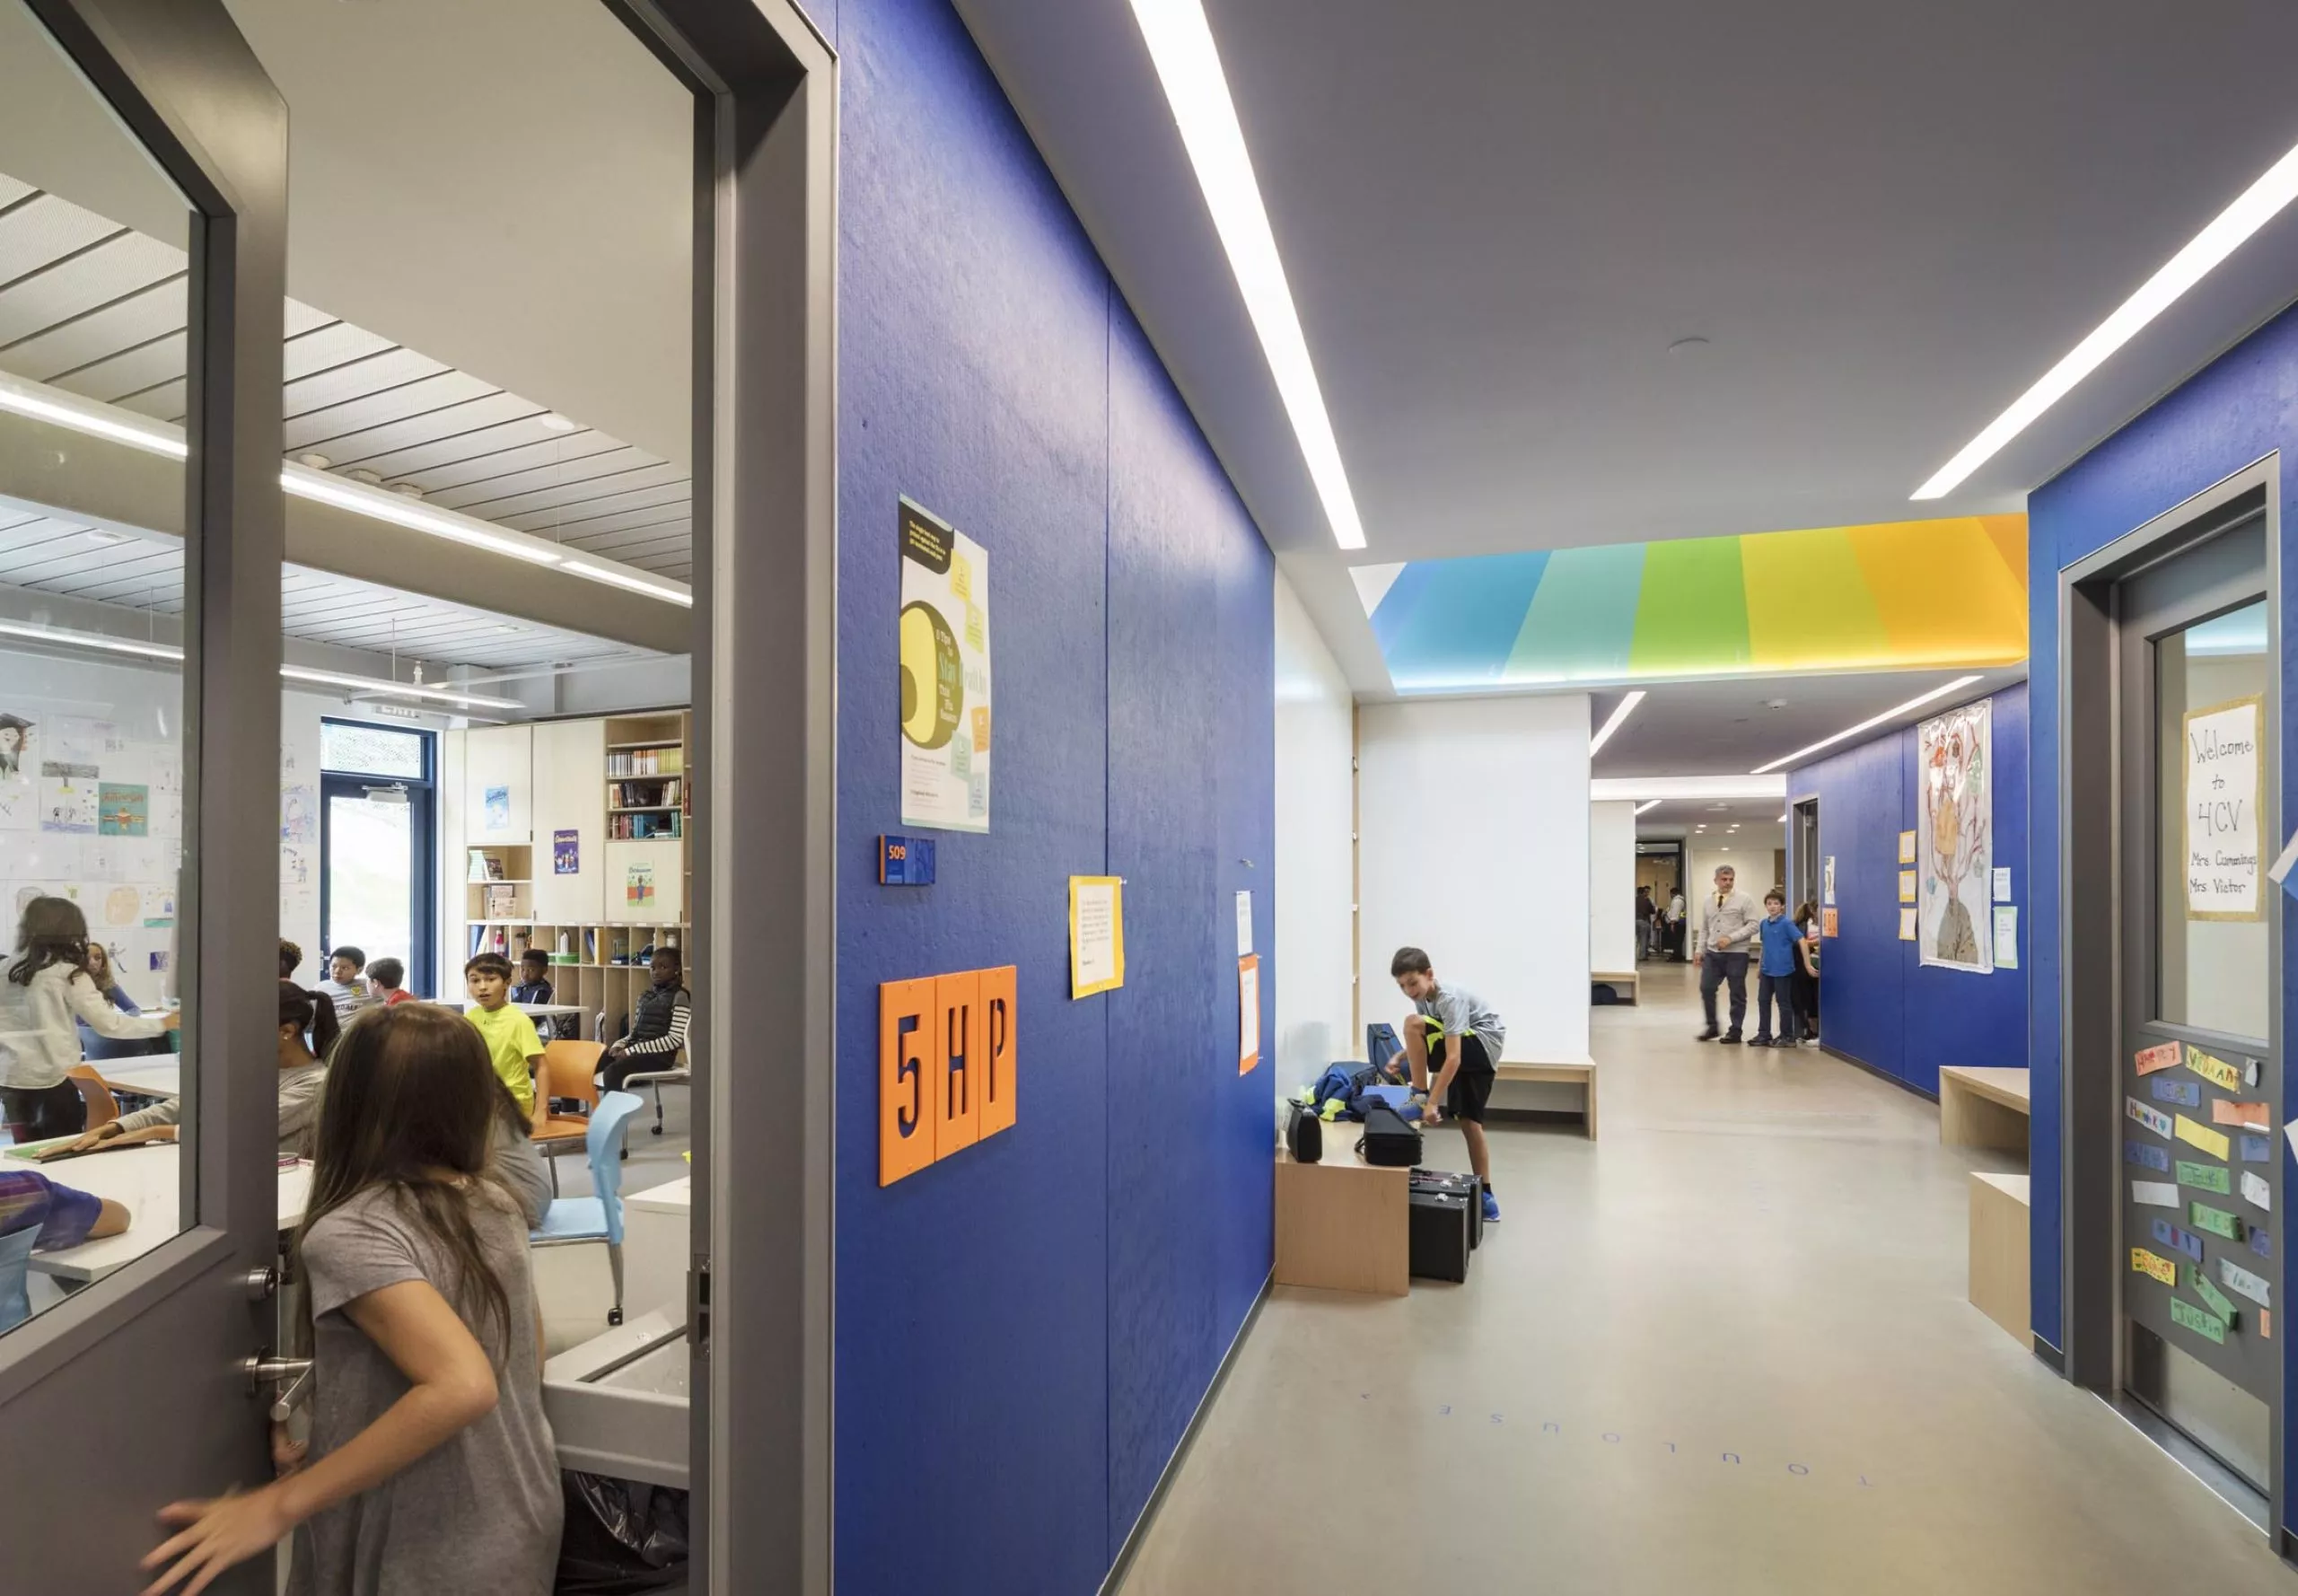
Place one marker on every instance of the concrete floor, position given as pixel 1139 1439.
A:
pixel 1725 1350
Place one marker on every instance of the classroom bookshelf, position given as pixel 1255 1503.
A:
pixel 576 842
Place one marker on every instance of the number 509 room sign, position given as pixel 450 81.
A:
pixel 2225 790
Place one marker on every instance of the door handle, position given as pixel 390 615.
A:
pixel 292 1375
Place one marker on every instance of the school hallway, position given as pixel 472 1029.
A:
pixel 1725 1348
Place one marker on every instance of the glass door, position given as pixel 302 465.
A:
pixel 2199 1074
pixel 378 866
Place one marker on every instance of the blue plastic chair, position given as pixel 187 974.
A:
pixel 597 1218
pixel 16 1266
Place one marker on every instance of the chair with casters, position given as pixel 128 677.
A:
pixel 15 1268
pixel 570 1072
pixel 678 1074
pixel 572 1221
pixel 103 1108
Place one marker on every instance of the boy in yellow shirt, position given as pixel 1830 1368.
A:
pixel 512 1045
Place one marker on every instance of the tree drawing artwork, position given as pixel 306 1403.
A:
pixel 1958 825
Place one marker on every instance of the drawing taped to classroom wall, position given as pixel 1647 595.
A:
pixel 1955 841
pixel 16 744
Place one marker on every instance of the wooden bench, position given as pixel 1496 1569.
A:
pixel 1537 1088
pixel 1982 1108
pixel 1621 982
pixel 2000 1285
pixel 1342 1223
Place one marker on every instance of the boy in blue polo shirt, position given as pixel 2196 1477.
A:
pixel 1782 945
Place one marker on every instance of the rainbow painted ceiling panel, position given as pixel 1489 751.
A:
pixel 1899 595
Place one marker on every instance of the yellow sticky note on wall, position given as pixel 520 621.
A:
pixel 2155 1264
pixel 2216 1071
pixel 2197 1134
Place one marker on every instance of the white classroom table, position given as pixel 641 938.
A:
pixel 156 1076
pixel 657 1242
pixel 145 1180
pixel 533 1011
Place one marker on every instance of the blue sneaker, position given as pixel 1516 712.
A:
pixel 1491 1209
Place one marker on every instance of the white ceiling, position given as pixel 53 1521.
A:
pixel 1729 727
pixel 1495 218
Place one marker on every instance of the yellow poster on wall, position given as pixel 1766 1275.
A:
pixel 1096 934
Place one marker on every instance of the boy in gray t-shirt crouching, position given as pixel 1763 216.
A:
pixel 1459 1034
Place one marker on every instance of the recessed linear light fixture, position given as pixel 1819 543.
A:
pixel 1604 732
pixel 2259 204
pixel 1189 64
pixel 63 637
pixel 1869 725
pixel 377 504
pixel 1649 805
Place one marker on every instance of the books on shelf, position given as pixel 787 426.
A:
pixel 502 903
pixel 485 866
pixel 629 826
pixel 659 793
pixel 670 761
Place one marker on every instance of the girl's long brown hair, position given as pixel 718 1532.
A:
pixel 409 1102
pixel 53 931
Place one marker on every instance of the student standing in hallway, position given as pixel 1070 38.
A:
pixel 1465 1049
pixel 1726 926
pixel 1783 952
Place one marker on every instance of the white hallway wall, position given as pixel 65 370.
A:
pixel 1315 749
pixel 1612 885
pixel 1473 815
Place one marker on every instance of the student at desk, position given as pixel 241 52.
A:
pixel 45 988
pixel 94 1048
pixel 658 1030
pixel 512 1045
pixel 63 1217
pixel 302 1076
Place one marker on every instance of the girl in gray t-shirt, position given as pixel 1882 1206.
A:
pixel 431 1467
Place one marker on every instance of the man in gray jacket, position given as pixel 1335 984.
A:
pixel 1727 927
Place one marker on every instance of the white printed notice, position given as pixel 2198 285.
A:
pixel 2225 792
pixel 944 675
pixel 1096 934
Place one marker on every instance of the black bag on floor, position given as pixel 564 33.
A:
pixel 1438 1246
pixel 1388 1141
pixel 1467 1188
pixel 621 1538
pixel 1304 1134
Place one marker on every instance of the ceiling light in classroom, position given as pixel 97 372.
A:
pixel 1870 723
pixel 669 593
pixel 1604 732
pixel 1188 66
pixel 42 403
pixel 1649 805
pixel 63 637
pixel 385 687
pixel 2257 205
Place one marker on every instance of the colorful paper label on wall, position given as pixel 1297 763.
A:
pixel 2225 1110
pixel 2188 1316
pixel 2213 1298
pixel 2261 1242
pixel 2216 1071
pixel 2186 1095
pixel 2203 1177
pixel 2155 1264
pixel 2162 1057
pixel 2155 1194
pixel 2257 1192
pixel 2170 1235
pixel 2244 1283
pixel 944 646
pixel 2153 1118
pixel 2147 1154
pixel 2257 1149
pixel 2195 1135
pixel 2218 1222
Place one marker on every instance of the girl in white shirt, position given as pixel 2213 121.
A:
pixel 46 987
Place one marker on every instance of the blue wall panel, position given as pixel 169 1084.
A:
pixel 1883 1007
pixel 1024 1328
pixel 2237 410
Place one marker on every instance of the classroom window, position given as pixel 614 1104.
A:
pixel 377 822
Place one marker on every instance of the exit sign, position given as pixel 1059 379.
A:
pixel 904 861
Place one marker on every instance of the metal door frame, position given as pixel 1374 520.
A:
pixel 766 555
pixel 189 90
pixel 2091 903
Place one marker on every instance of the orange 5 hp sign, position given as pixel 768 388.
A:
pixel 946 1066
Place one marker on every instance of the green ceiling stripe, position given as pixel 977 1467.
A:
pixel 1583 620
pixel 1692 615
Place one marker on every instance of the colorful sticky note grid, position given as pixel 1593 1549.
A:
pixel 2216 1299
pixel 2257 1149
pixel 2187 1316
pixel 2157 1194
pixel 2195 1135
pixel 2155 1264
pixel 2170 1235
pixel 2147 1115
pixel 2186 1095
pixel 2162 1057
pixel 2244 1283
pixel 2203 1177
pixel 2218 1222
pixel 2216 1071
pixel 2147 1154
pixel 2257 1192
pixel 2261 1242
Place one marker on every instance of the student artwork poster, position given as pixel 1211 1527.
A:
pixel 945 678
pixel 1955 841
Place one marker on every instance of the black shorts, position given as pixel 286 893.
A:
pixel 1471 1087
